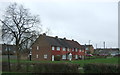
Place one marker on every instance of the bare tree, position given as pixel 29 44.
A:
pixel 19 26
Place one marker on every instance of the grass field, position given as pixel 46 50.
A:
pixel 112 60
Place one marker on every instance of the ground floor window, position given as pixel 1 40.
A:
pixel 63 56
pixel 76 56
pixel 45 56
pixel 52 57
pixel 36 55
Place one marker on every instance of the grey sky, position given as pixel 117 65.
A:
pixel 81 21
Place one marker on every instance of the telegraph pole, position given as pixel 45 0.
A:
pixel 96 46
pixel 104 44
pixel 89 42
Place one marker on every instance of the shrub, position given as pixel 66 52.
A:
pixel 101 68
pixel 43 68
pixel 55 68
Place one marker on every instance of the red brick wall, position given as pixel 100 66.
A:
pixel 44 48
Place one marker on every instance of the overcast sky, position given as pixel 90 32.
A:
pixel 81 21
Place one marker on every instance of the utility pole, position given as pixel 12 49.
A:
pixel 96 46
pixel 104 44
pixel 89 42
pixel 89 48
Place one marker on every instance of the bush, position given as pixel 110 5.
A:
pixel 101 68
pixel 56 68
pixel 57 58
pixel 43 68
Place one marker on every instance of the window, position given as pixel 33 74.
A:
pixel 9 49
pixel 73 49
pixel 58 48
pixel 6 49
pixel 76 56
pixel 68 49
pixel 63 56
pixel 14 51
pixel 80 56
pixel 86 48
pixel 76 49
pixel 80 50
pixel 36 55
pixel 37 47
pixel 53 48
pixel 45 56
pixel 64 49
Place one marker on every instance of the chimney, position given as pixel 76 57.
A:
pixel 56 36
pixel 72 39
pixel 44 34
pixel 64 38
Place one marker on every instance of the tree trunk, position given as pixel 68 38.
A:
pixel 18 67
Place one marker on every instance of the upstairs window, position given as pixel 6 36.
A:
pixel 76 49
pixel 37 47
pixel 53 48
pixel 64 49
pixel 68 49
pixel 58 48
pixel 73 49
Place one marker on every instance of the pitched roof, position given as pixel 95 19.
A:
pixel 55 41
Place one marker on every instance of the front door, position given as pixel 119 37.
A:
pixel 52 57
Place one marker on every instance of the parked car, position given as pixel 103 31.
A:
pixel 89 55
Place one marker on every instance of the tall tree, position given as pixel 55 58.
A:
pixel 19 26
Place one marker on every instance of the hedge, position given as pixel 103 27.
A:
pixel 101 68
pixel 56 68
pixel 45 68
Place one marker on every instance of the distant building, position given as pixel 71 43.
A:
pixel 107 51
pixel 5 47
pixel 47 48
pixel 89 49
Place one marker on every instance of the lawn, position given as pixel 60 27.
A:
pixel 112 60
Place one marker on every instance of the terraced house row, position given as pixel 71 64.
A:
pixel 48 48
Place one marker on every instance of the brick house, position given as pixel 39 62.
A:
pixel 89 49
pixel 47 48
pixel 5 47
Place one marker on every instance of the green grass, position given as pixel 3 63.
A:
pixel 113 60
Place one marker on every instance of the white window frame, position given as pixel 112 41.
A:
pixel 76 56
pixel 68 49
pixel 80 50
pixel 58 48
pixel 63 56
pixel 37 56
pixel 80 56
pixel 64 49
pixel 37 47
pixel 45 56
pixel 86 48
pixel 6 48
pixel 73 50
pixel 53 48
pixel 76 50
